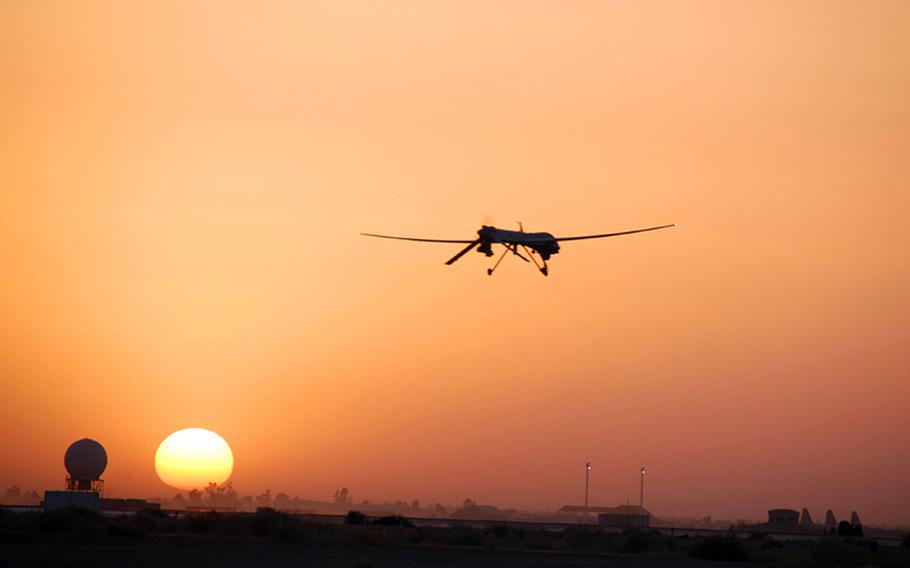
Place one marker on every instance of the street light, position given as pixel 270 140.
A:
pixel 641 496
pixel 587 475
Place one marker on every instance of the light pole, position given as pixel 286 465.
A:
pixel 641 496
pixel 587 475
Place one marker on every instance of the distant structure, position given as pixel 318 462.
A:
pixel 641 494
pixel 473 511
pixel 85 461
pixel 783 517
pixel 626 516
pixel 587 478
pixel 622 516
pixel 789 521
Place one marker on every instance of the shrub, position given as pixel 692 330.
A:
pixel 771 544
pixel 153 513
pixel 636 541
pixel 834 552
pixel 906 543
pixel 125 528
pixel 201 523
pixel 458 536
pixel 268 522
pixel 7 518
pixel 72 520
pixel 355 518
pixel 719 548
pixel 392 521
pixel 540 541
pixel 506 532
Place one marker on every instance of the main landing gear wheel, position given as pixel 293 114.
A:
pixel 543 269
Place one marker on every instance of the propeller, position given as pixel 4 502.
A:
pixel 463 252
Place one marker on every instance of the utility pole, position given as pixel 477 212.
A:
pixel 641 495
pixel 587 476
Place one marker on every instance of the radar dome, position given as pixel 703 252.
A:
pixel 85 460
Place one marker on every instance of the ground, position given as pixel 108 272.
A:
pixel 172 552
pixel 78 537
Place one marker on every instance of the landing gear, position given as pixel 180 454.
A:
pixel 502 256
pixel 509 248
pixel 513 248
pixel 543 269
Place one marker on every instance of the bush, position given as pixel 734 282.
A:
pixel 637 541
pixel 268 522
pixel 71 520
pixel 392 521
pixel 505 532
pixel 906 543
pixel 579 538
pixel 153 521
pixel 771 544
pixel 7 518
pixel 355 518
pixel 834 552
pixel 201 523
pixel 719 548
pixel 457 536
pixel 125 528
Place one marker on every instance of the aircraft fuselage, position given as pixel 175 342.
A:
pixel 544 244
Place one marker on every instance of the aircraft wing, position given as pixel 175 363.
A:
pixel 418 239
pixel 613 234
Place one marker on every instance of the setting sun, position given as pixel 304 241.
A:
pixel 192 458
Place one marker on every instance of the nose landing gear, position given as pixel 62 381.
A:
pixel 513 248
pixel 543 269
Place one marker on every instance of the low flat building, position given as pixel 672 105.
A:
pixel 626 516
pixel 59 499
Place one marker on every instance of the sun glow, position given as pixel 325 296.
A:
pixel 192 458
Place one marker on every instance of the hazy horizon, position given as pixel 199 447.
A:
pixel 183 186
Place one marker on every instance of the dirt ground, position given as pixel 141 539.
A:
pixel 54 551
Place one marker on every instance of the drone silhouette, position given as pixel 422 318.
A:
pixel 543 245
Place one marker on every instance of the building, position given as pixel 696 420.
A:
pixel 788 521
pixel 783 517
pixel 626 516
pixel 474 511
pixel 83 499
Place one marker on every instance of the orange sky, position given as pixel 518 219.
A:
pixel 182 184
